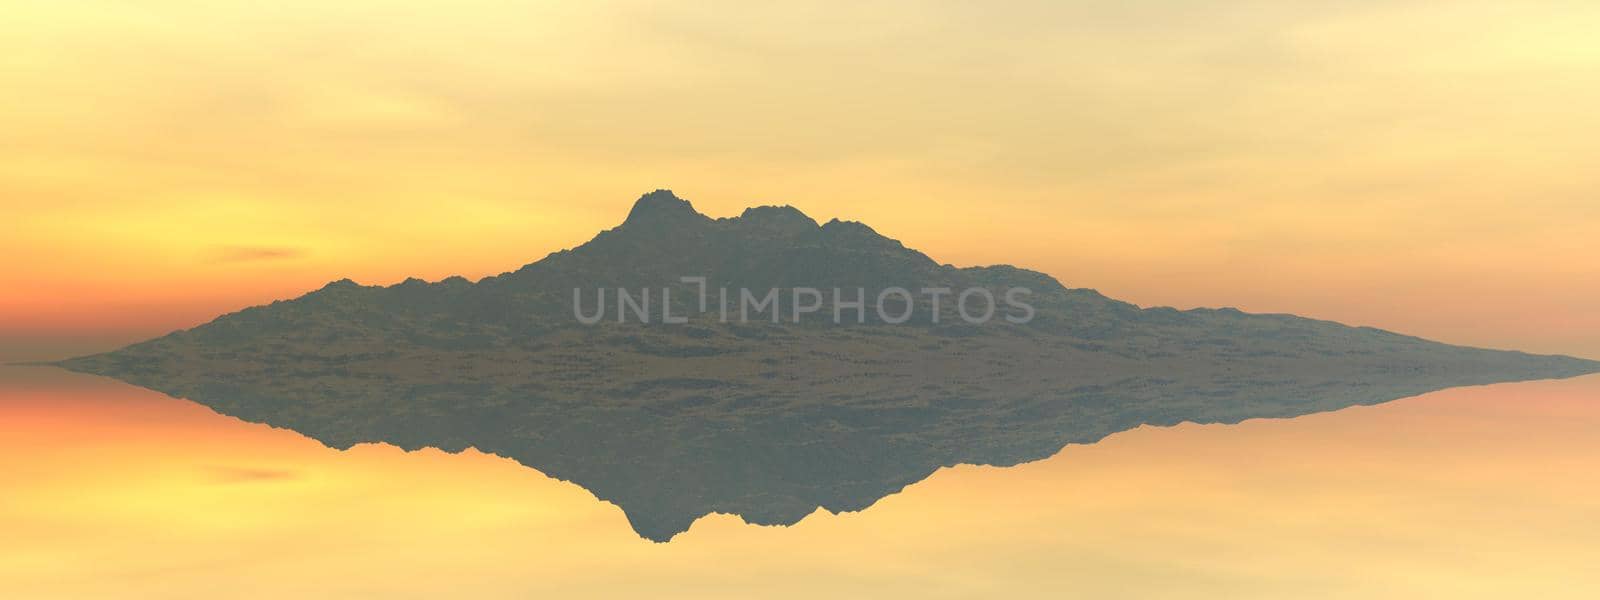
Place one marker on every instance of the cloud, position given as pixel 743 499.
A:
pixel 255 253
pixel 231 474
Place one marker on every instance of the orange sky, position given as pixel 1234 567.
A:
pixel 1413 165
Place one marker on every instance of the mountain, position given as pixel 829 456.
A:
pixel 774 416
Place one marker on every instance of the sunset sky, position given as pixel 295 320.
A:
pixel 1422 166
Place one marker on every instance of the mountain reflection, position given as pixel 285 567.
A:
pixel 675 419
pixel 677 452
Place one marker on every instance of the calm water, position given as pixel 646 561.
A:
pixel 110 490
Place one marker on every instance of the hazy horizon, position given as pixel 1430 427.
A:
pixel 1337 172
pixel 1411 166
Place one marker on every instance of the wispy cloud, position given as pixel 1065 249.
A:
pixel 255 253
pixel 233 474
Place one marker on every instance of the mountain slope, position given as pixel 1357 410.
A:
pixel 767 420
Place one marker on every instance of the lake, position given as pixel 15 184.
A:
pixel 1490 491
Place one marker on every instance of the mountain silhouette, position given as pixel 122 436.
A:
pixel 762 419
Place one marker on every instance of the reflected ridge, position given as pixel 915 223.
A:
pixel 768 421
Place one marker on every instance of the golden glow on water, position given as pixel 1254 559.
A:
pixel 1477 492
pixel 1416 165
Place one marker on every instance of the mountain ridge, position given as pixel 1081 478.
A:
pixel 764 419
pixel 662 206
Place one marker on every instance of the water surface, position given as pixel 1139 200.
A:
pixel 113 490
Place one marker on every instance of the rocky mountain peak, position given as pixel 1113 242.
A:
pixel 661 207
